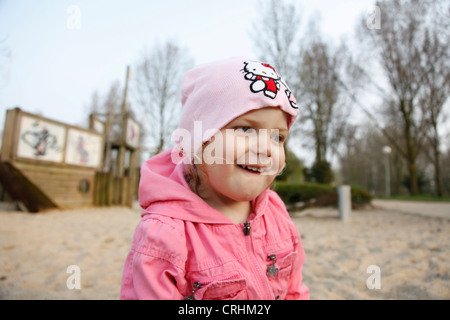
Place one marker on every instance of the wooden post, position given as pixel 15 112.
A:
pixel 345 203
pixel 10 134
pixel 108 136
pixel 122 148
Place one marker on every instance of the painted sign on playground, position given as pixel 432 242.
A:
pixel 41 140
pixel 49 141
pixel 83 148
pixel 133 133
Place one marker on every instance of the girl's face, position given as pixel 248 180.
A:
pixel 245 156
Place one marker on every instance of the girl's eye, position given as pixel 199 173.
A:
pixel 245 129
pixel 279 138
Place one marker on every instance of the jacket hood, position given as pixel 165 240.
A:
pixel 164 191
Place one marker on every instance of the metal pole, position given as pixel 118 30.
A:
pixel 387 177
pixel 344 202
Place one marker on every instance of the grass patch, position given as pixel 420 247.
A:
pixel 417 198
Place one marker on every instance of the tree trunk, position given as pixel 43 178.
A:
pixel 406 113
pixel 437 167
pixel 411 160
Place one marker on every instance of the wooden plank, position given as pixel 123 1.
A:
pixel 24 190
pixel 61 184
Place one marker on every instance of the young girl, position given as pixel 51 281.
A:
pixel 211 228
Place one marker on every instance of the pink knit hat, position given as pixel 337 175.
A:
pixel 214 94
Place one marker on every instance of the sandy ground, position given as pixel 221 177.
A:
pixel 409 245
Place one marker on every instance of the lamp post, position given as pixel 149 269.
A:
pixel 387 151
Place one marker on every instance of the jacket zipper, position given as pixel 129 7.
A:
pixel 197 285
pixel 262 284
pixel 247 228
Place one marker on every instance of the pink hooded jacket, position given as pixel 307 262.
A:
pixel 183 248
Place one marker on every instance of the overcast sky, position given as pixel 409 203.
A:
pixel 55 53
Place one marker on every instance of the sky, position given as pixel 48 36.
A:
pixel 55 53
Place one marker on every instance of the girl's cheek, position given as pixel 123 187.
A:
pixel 278 158
pixel 235 148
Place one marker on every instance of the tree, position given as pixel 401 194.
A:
pixel 158 76
pixel 436 87
pixel 319 90
pixel 108 109
pixel 403 48
pixel 321 171
pixel 362 162
pixel 274 34
pixel 315 72
pixel 324 105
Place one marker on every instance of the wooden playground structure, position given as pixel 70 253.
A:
pixel 47 164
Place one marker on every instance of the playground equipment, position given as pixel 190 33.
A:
pixel 47 164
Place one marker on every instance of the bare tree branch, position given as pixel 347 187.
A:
pixel 157 87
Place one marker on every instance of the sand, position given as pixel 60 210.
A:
pixel 411 250
pixel 410 247
pixel 37 249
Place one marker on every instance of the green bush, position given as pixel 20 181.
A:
pixel 291 193
pixel 315 194
pixel 321 171
pixel 360 195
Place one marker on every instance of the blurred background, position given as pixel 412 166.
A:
pixel 372 79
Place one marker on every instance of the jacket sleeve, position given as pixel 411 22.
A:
pixel 154 268
pixel 297 290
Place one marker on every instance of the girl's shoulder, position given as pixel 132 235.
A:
pixel 161 237
pixel 165 222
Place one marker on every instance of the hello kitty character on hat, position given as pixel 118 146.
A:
pixel 264 78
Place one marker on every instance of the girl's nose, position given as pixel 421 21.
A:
pixel 264 143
